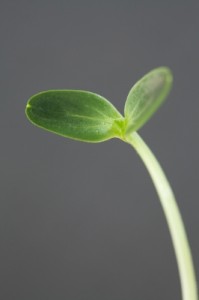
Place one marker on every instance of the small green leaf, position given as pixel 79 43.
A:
pixel 145 97
pixel 79 115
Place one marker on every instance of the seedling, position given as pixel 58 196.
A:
pixel 88 117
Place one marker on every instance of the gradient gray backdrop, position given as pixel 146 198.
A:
pixel 82 221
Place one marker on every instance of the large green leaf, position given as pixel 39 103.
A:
pixel 75 114
pixel 145 97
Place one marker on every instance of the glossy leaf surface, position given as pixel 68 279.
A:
pixel 75 114
pixel 146 96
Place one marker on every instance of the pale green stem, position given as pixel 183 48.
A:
pixel 173 217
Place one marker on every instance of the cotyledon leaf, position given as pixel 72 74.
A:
pixel 146 96
pixel 76 114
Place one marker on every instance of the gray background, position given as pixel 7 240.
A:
pixel 82 221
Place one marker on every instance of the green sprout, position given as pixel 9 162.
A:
pixel 88 117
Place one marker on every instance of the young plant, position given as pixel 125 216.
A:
pixel 88 117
